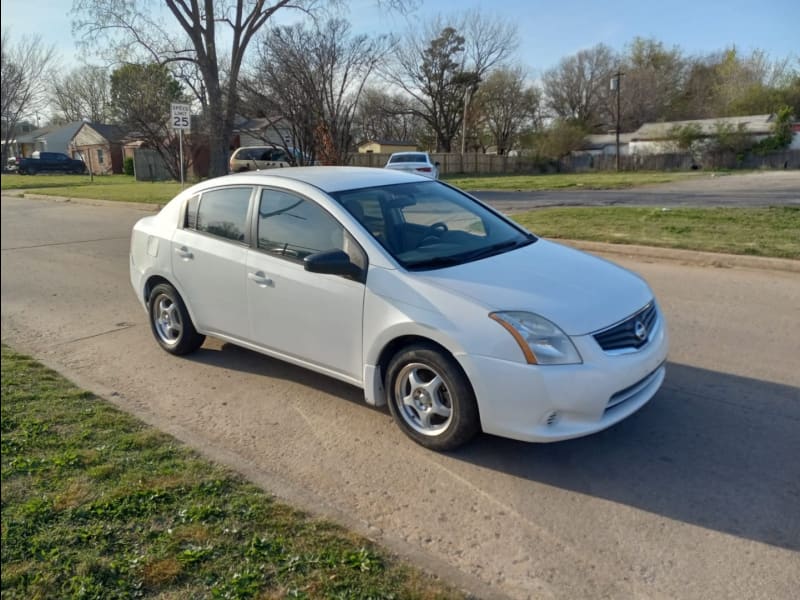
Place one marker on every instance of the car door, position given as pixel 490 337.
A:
pixel 308 317
pixel 208 260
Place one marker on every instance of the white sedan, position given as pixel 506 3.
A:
pixel 429 300
pixel 418 163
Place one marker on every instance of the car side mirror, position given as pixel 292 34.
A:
pixel 333 262
pixel 437 164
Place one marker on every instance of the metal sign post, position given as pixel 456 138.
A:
pixel 180 117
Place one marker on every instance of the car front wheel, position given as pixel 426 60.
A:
pixel 430 398
pixel 170 321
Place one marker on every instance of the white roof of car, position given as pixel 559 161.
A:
pixel 328 179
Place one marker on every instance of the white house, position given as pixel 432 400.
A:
pixel 655 138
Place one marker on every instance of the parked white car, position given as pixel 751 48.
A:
pixel 418 163
pixel 426 298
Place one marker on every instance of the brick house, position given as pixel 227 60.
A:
pixel 100 146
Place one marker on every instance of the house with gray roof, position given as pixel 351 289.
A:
pixel 52 138
pixel 657 138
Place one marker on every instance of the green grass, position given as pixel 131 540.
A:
pixel 122 188
pixel 773 231
pixel 96 505
pixel 588 181
pixel 761 232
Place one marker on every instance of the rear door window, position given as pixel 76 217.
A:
pixel 222 213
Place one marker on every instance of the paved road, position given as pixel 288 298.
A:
pixel 696 496
pixel 771 188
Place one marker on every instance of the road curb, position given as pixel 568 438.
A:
pixel 145 206
pixel 687 257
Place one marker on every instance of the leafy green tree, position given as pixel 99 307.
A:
pixel 562 137
pixel 141 95
pixel 686 137
pixel 782 133
pixel 730 138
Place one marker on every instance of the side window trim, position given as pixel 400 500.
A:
pixel 252 200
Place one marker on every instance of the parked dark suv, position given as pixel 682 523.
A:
pixel 41 162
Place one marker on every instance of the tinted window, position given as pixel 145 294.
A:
pixel 223 212
pixel 291 226
pixel 404 158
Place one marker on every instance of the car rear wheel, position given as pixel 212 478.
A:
pixel 170 321
pixel 430 398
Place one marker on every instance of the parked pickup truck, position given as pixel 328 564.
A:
pixel 50 161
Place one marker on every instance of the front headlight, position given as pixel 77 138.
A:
pixel 541 341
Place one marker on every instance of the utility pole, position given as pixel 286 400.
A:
pixel 615 86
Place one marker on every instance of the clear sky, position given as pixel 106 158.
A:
pixel 549 30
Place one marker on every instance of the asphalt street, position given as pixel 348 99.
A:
pixel 696 496
pixel 771 188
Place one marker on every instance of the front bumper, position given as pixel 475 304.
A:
pixel 549 403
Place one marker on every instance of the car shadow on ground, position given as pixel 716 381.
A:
pixel 711 449
pixel 236 358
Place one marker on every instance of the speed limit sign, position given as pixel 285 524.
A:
pixel 180 116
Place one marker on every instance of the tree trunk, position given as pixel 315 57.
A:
pixel 220 127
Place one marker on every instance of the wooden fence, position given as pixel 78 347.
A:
pixel 474 164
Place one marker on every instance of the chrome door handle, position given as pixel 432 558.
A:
pixel 184 252
pixel 259 278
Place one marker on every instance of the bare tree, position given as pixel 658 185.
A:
pixel 576 89
pixel 382 115
pixel 507 104
pixel 651 86
pixel 25 67
pixel 137 27
pixel 208 26
pixel 441 68
pixel 313 78
pixel 83 93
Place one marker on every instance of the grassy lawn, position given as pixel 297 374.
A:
pixel 97 505
pixel 773 231
pixel 126 188
pixel 756 231
pixel 105 187
pixel 589 181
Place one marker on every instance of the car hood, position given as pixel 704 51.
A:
pixel 578 292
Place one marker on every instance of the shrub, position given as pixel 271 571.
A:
pixel 127 166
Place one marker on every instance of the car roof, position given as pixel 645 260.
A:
pixel 408 152
pixel 327 179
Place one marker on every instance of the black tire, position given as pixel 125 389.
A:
pixel 170 321
pixel 439 415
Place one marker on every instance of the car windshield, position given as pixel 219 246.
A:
pixel 429 225
pixel 407 158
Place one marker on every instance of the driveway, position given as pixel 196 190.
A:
pixel 770 188
pixel 696 496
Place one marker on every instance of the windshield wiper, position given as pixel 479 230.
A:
pixel 436 262
pixel 457 259
pixel 496 248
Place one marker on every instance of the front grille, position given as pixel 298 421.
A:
pixel 633 390
pixel 629 333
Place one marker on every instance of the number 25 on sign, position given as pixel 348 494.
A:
pixel 180 116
